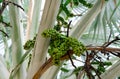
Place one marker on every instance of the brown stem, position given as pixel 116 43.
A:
pixel 69 50
pixel 102 48
pixel 15 5
pixel 116 39
pixel 48 64
pixel 6 24
pixel 4 4
pixel 71 60
pixel 68 28
pixel 43 68
pixel 4 33
pixel 96 72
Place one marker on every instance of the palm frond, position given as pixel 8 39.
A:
pixel 106 21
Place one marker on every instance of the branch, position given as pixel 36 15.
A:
pixel 6 24
pixel 68 28
pixel 4 5
pixel 69 50
pixel 71 59
pixel 49 63
pixel 15 5
pixel 102 48
pixel 109 43
pixel 4 33
pixel 43 68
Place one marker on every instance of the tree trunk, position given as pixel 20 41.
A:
pixel 34 18
pixel 16 37
pixel 4 73
pixel 40 50
pixel 84 22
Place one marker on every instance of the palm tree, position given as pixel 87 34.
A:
pixel 97 25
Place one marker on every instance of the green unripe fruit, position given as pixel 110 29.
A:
pixel 60 44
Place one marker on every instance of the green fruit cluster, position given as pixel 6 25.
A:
pixel 29 44
pixel 60 44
